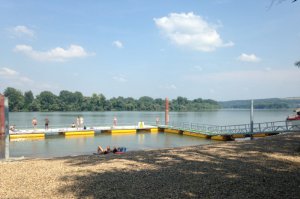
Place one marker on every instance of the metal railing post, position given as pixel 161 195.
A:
pixel 6 128
pixel 251 118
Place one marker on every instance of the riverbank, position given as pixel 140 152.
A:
pixel 263 168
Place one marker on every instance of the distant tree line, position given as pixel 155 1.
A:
pixel 46 101
pixel 271 103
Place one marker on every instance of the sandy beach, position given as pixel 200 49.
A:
pixel 263 168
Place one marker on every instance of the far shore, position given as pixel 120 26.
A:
pixel 264 168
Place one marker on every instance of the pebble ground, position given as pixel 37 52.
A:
pixel 263 168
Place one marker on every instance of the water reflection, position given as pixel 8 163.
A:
pixel 219 117
pixel 60 146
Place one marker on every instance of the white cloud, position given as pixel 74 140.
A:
pixel 198 68
pixel 118 44
pixel 245 84
pixel 12 78
pixel 7 72
pixel 254 76
pixel 10 74
pixel 56 54
pixel 120 78
pixel 248 58
pixel 211 90
pixel 25 79
pixel 169 87
pixel 191 31
pixel 20 31
pixel 268 68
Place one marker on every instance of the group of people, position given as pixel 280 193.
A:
pixel 107 150
pixel 34 123
pixel 79 122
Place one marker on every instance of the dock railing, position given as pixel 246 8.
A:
pixel 263 127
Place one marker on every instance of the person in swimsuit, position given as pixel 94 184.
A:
pixel 100 150
pixel 46 123
pixel 115 150
pixel 119 150
pixel 34 122
pixel 78 122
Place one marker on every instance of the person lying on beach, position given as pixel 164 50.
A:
pixel 119 150
pixel 115 150
pixel 100 150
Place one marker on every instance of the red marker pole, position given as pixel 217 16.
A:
pixel 167 112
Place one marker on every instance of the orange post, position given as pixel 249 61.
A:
pixel 167 112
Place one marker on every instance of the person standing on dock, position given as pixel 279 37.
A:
pixel 81 121
pixel 34 123
pixel 77 122
pixel 115 121
pixel 46 123
pixel 157 121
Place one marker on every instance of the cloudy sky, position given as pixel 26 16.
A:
pixel 218 49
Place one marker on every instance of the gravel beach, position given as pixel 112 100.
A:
pixel 263 168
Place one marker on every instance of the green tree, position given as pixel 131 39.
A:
pixel 78 100
pixel 66 100
pixel 28 99
pixel 130 104
pixel 159 104
pixel 48 101
pixel 69 101
pixel 34 106
pixel 86 104
pixel 16 99
pixel 97 102
pixel 146 103
pixel 117 104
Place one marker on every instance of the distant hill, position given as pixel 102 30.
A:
pixel 270 103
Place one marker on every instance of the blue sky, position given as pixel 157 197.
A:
pixel 217 49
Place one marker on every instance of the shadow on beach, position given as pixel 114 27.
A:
pixel 264 168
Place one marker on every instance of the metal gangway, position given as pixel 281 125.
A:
pixel 208 129
pixel 244 129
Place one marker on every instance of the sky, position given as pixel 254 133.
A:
pixel 211 49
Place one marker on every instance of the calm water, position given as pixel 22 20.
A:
pixel 220 117
pixel 60 146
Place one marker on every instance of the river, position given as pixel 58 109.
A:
pixel 218 117
pixel 60 146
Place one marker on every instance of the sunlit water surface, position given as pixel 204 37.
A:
pixel 60 146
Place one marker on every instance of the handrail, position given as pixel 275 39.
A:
pixel 263 127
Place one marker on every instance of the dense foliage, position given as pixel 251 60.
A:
pixel 271 103
pixel 75 101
